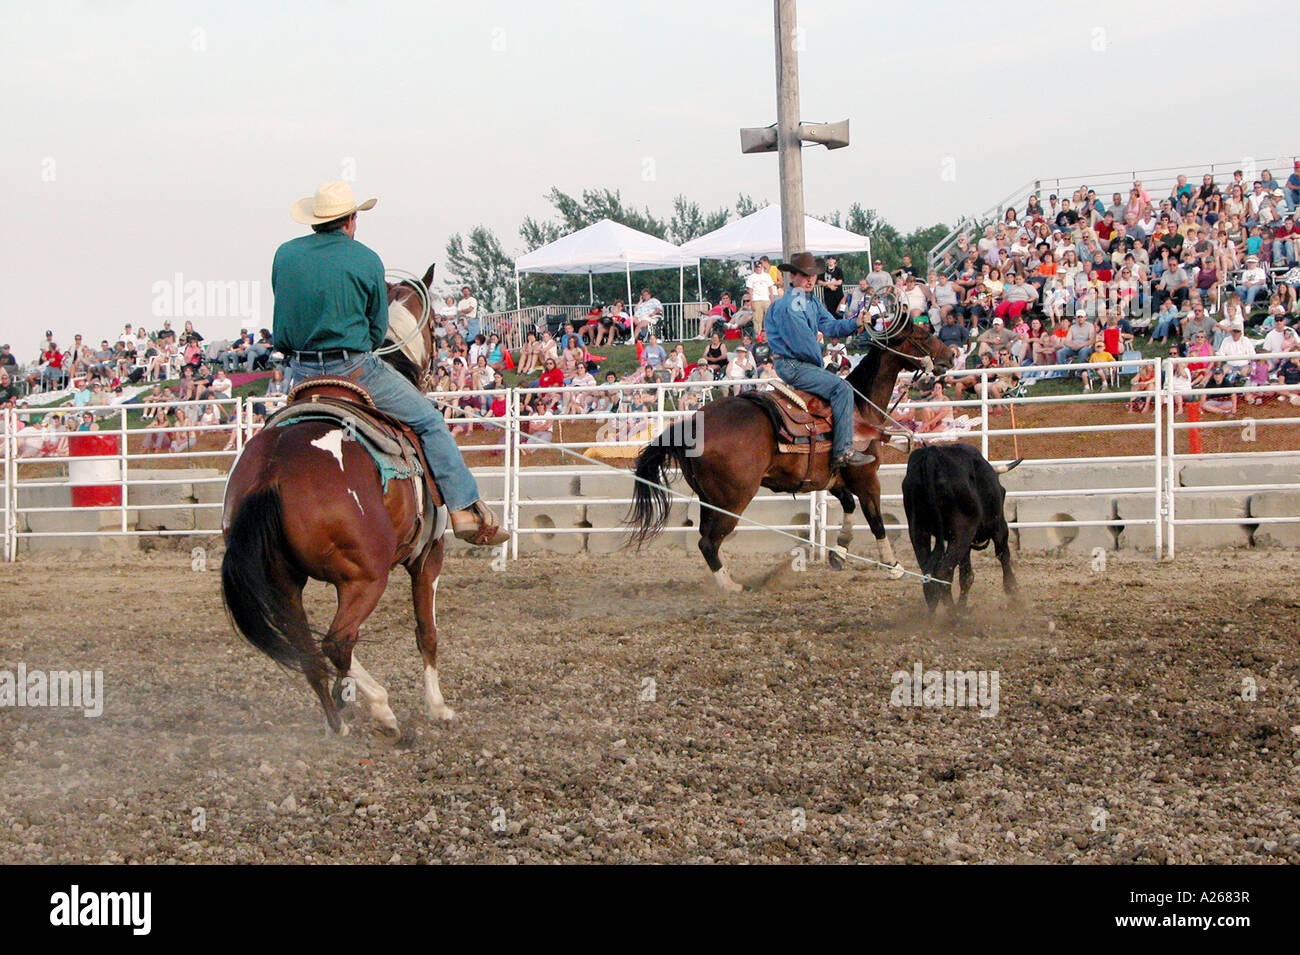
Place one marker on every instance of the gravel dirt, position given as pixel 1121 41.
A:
pixel 621 709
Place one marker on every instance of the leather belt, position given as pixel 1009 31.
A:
pixel 338 354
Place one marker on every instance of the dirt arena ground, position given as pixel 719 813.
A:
pixel 621 709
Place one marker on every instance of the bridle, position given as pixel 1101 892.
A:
pixel 915 361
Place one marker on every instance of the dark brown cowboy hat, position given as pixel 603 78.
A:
pixel 805 263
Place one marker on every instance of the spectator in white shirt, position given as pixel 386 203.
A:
pixel 467 312
pixel 1254 281
pixel 646 314
pixel 760 285
pixel 1281 338
pixel 1239 350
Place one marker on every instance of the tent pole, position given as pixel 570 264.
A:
pixel 699 281
pixel 517 306
pixel 591 295
pixel 628 266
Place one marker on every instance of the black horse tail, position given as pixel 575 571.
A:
pixel 252 563
pixel 650 497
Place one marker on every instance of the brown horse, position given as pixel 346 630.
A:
pixel 730 448
pixel 302 502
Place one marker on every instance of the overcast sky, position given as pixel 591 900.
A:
pixel 146 140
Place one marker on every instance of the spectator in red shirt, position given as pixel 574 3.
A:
pixel 552 377
pixel 1105 229
pixel 724 310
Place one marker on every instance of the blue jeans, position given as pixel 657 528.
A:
pixel 1249 293
pixel 828 385
pixel 255 352
pixel 1163 326
pixel 397 396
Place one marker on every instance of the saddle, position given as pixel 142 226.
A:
pixel 805 420
pixel 395 448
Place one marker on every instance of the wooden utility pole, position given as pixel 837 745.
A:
pixel 787 137
pixel 789 146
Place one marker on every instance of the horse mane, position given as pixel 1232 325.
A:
pixel 403 363
pixel 866 370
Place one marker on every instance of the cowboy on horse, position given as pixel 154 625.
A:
pixel 331 313
pixel 792 326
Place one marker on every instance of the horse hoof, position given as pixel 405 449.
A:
pixel 342 731
pixel 896 572
pixel 835 560
pixel 442 712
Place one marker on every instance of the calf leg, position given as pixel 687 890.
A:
pixel 967 578
pixel 958 550
pixel 927 558
pixel 1002 547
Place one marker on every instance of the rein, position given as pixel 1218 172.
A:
pixel 926 363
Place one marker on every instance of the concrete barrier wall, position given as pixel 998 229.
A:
pixel 1122 510
pixel 584 503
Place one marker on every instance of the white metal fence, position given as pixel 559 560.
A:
pixel 680 320
pixel 60 482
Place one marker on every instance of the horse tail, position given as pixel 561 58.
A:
pixel 650 493
pixel 252 562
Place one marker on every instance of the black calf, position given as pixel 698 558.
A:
pixel 954 502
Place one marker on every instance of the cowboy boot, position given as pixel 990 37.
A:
pixel 852 459
pixel 477 525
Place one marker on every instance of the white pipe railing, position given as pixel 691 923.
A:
pixel 29 456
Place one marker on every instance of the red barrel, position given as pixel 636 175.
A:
pixel 94 483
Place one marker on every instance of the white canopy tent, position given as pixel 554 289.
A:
pixel 602 248
pixel 759 234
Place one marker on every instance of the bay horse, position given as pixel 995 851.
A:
pixel 303 502
pixel 730 448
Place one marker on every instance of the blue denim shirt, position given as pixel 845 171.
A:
pixel 792 324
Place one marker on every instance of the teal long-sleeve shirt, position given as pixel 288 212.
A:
pixel 329 295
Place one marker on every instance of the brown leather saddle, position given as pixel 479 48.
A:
pixel 804 420
pixel 344 391
pixel 333 394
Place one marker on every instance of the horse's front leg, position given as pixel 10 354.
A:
pixel 424 592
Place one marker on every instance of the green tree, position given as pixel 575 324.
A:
pixel 480 262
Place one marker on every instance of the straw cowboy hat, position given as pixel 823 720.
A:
pixel 334 200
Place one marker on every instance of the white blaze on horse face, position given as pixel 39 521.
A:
pixel 358 500
pixel 376 696
pixel 332 443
